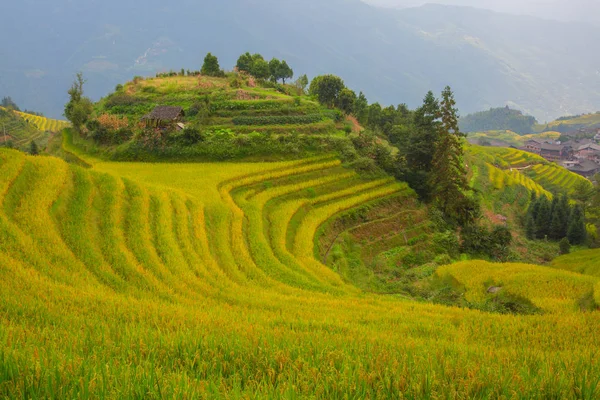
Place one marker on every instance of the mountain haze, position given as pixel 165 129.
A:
pixel 541 67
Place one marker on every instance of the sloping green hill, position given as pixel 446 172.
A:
pixel 200 281
pixel 21 128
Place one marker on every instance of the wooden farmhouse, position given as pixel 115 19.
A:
pixel 164 117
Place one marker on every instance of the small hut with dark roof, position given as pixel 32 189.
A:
pixel 163 116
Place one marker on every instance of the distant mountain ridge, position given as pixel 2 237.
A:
pixel 542 67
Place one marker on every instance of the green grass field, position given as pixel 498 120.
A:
pixel 139 280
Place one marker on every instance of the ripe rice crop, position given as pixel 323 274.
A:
pixel 44 124
pixel 133 280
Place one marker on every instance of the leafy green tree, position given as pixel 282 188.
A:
pixel 346 101
pixel 33 148
pixel 448 178
pixel 260 68
pixel 275 69
pixel 577 233
pixel 361 108
pixel 211 66
pixel 583 194
pixel 285 72
pixel 245 62
pixel 326 88
pixel 374 115
pixel 302 82
pixel 79 108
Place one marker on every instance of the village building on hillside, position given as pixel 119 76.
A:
pixel 164 117
pixel 588 151
pixel 585 168
pixel 549 150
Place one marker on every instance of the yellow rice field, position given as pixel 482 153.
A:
pixel 199 281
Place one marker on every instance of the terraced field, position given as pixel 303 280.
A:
pixel 511 166
pixel 555 177
pixel 132 280
pixel 22 128
pixel 221 105
pixel 44 124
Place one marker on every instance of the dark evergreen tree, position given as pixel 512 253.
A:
pixel 560 211
pixel 423 140
pixel 543 218
pixel 448 177
pixel 577 233
pixel 33 148
pixel 8 103
pixel 530 227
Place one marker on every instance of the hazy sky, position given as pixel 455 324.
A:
pixel 575 10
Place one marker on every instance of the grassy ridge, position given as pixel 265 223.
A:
pixel 198 281
pixel 585 262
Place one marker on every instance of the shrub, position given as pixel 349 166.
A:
pixel 149 89
pixel 446 290
pixel 121 100
pixel 278 120
pixel 446 243
pixel 507 303
pixel 564 246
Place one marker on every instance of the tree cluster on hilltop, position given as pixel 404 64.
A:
pixel 257 66
pixel 494 119
pixel 8 103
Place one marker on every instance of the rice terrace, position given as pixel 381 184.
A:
pixel 225 235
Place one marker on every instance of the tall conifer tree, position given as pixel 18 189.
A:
pixel 448 178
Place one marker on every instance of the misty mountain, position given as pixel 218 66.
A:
pixel 544 68
pixel 561 10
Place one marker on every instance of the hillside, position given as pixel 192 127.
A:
pixel 496 119
pixel 530 66
pixel 200 280
pixel 222 118
pixel 508 167
pixel 571 123
pixel 21 128
pixel 506 138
